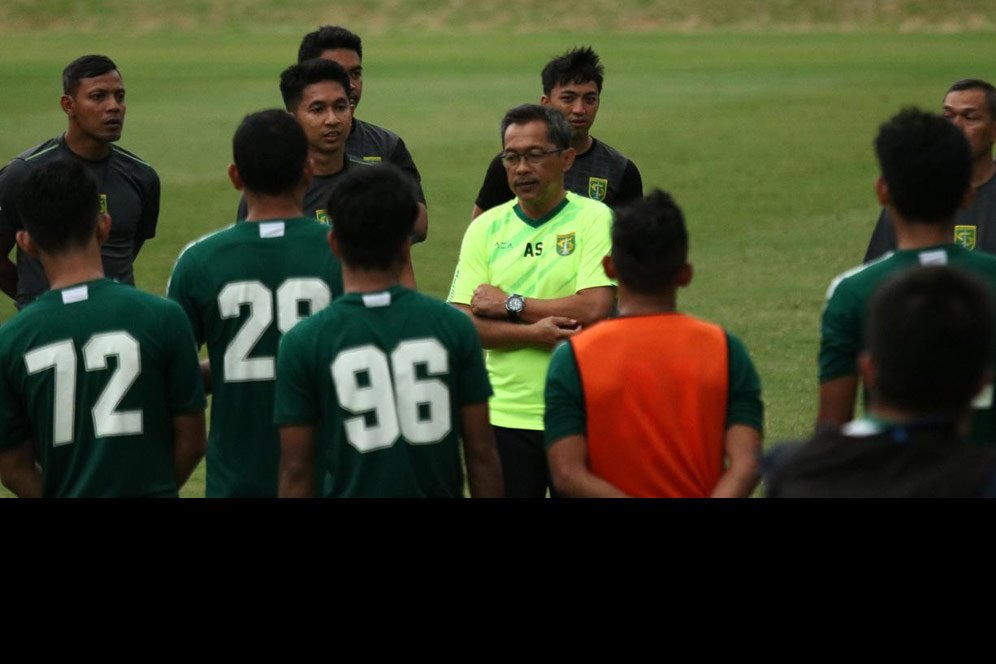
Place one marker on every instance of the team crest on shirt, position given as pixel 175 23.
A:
pixel 597 188
pixel 374 159
pixel 965 236
pixel 565 244
pixel 322 216
pixel 103 203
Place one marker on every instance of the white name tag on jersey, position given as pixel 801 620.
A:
pixel 377 300
pixel 77 294
pixel 934 257
pixel 271 229
pixel 984 399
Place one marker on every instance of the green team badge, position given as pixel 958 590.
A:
pixel 103 203
pixel 323 216
pixel 597 187
pixel 965 236
pixel 565 244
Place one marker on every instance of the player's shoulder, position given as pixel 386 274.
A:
pixel 610 152
pixel 588 208
pixel 860 276
pixel 132 160
pixel 370 129
pixel 35 155
pixel 493 217
pixel 199 251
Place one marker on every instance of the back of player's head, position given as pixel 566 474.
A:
pixel 58 204
pixel 926 163
pixel 86 66
pixel 373 212
pixel 326 38
pixel 579 65
pixel 296 78
pixel 558 131
pixel 269 150
pixel 929 335
pixel 649 243
pixel 978 84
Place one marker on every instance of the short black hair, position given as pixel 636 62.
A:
pixel 269 149
pixel 86 66
pixel 296 78
pixel 926 163
pixel 930 337
pixel 373 212
pixel 328 37
pixel 557 130
pixel 977 84
pixel 649 243
pixel 578 65
pixel 58 205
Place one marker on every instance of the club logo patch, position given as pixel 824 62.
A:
pixel 965 236
pixel 322 216
pixel 565 244
pixel 597 188
pixel 103 203
pixel 374 159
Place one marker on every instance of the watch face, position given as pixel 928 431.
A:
pixel 514 304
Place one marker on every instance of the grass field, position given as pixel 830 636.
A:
pixel 764 138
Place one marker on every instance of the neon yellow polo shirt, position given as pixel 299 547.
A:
pixel 552 257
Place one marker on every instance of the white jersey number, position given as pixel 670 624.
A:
pixel 239 367
pixel 107 419
pixel 393 394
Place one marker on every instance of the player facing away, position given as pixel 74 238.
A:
pixel 930 331
pixel 970 104
pixel 379 389
pixel 93 100
pixel 654 403
pixel 926 169
pixel 529 274
pixel 245 286
pixel 572 84
pixel 367 141
pixel 100 389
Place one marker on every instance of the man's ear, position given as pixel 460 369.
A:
pixel 103 227
pixel 568 156
pixel 68 105
pixel 684 277
pixel 334 244
pixel 882 191
pixel 235 178
pixel 26 244
pixel 609 266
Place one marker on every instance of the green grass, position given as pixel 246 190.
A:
pixel 764 139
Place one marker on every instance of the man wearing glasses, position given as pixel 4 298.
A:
pixel 530 275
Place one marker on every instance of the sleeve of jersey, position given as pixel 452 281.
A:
pixel 564 414
pixel 186 386
pixel 178 290
pixel 494 190
pixel 401 158
pixel 631 187
pixel 15 427
pixel 296 393
pixel 883 238
pixel 595 245
pixel 743 404
pixel 10 180
pixel 474 386
pixel 472 269
pixel 840 333
pixel 150 210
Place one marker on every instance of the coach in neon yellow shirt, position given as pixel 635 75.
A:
pixel 530 275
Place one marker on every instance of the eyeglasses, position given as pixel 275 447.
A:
pixel 510 159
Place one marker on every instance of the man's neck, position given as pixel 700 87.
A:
pixel 86 147
pixel 370 281
pixel 900 416
pixel 581 144
pixel 643 304
pixel 273 207
pixel 537 211
pixel 75 267
pixel 983 169
pixel 917 235
pixel 324 163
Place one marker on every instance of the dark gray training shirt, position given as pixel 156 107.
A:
pixel 131 188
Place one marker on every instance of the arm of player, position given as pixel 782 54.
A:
pixel 8 270
pixel 189 443
pixel 587 306
pixel 297 451
pixel 505 335
pixel 19 472
pixel 480 452
pixel 742 447
pixel 837 397
pixel 568 459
